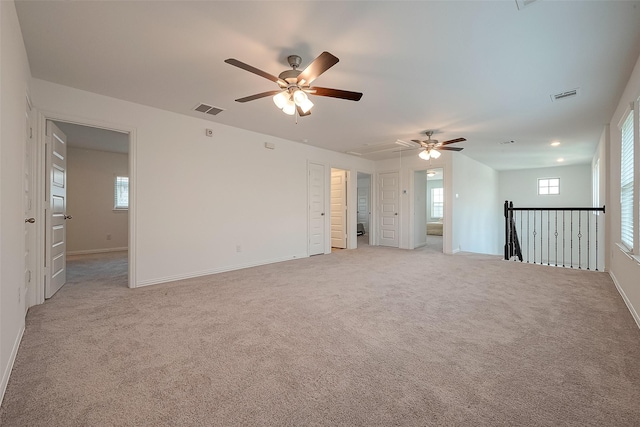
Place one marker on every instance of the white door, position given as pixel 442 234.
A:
pixel 316 209
pixel 389 207
pixel 56 212
pixel 338 208
pixel 363 206
pixel 419 208
pixel 27 293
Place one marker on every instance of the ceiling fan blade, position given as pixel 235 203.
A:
pixel 336 93
pixel 319 65
pixel 450 148
pixel 258 96
pixel 451 141
pixel 254 70
pixel 302 113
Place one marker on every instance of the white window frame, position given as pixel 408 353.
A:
pixel 118 202
pixel 545 183
pixel 627 181
pixel 437 204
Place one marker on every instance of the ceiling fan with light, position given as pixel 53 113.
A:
pixel 431 147
pixel 295 85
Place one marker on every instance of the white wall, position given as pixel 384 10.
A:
pixel 14 85
pixel 521 186
pixel 624 270
pixel 90 186
pixel 477 210
pixel 198 198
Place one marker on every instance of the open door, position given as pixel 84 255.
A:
pixel 338 208
pixel 56 215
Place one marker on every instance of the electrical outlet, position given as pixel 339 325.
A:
pixel 108 236
pixel 238 248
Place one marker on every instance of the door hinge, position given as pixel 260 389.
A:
pixel 30 132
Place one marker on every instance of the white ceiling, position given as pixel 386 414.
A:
pixel 478 69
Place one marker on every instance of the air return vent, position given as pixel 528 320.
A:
pixel 208 109
pixel 564 95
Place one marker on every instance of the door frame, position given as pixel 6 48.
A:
pixel 447 211
pixel 372 228
pixel 41 180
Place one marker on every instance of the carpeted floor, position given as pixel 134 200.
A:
pixel 368 337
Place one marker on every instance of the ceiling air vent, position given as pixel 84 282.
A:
pixel 564 95
pixel 208 109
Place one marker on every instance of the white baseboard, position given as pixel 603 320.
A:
pixel 167 279
pixel 626 300
pixel 7 370
pixel 97 251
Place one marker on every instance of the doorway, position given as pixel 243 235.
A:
pixel 363 222
pixel 97 233
pixel 434 208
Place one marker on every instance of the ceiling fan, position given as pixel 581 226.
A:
pixel 430 147
pixel 295 85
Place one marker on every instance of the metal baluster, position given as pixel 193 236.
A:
pixel 528 228
pixel 541 241
pixel 522 237
pixel 588 240
pixel 571 246
pixel 534 236
pixel 579 240
pixel 597 217
pixel 564 239
pixel 556 235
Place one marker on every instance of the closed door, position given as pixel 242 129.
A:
pixel 57 214
pixel 27 293
pixel 389 206
pixel 338 208
pixel 316 209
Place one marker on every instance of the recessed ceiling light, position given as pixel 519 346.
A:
pixel 560 160
pixel 555 143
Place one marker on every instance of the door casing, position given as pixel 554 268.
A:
pixel 39 192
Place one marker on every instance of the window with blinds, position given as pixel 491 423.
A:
pixel 626 183
pixel 121 193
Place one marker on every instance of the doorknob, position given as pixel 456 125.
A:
pixel 322 214
pixel 30 220
pixel 68 217
pixel 396 213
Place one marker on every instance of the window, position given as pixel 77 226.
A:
pixel 626 183
pixel 548 186
pixel 437 203
pixel 121 193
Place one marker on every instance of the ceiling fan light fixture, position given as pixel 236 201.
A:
pixel 435 154
pixel 305 106
pixel 281 99
pixel 424 154
pixel 290 107
pixel 299 97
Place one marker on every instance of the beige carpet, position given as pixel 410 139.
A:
pixel 367 337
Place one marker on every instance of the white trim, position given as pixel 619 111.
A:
pixel 626 300
pixel 9 367
pixel 218 270
pixel 97 251
pixel 455 251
